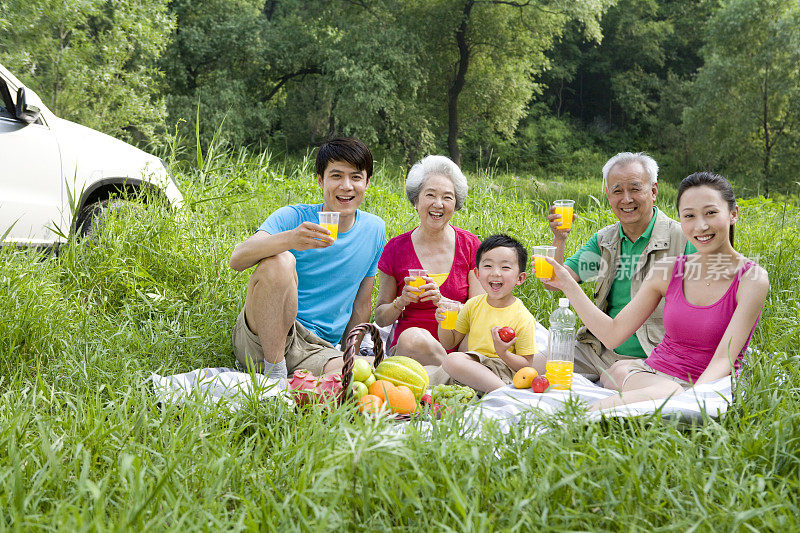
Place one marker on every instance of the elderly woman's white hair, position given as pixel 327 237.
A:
pixel 624 158
pixel 430 166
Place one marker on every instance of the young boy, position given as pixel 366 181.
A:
pixel 491 363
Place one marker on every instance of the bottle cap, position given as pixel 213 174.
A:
pixel 563 302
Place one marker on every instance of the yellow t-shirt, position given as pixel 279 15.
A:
pixel 477 318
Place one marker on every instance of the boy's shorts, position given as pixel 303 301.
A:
pixel 303 349
pixel 637 366
pixel 498 367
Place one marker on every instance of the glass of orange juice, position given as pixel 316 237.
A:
pixel 330 221
pixel 544 270
pixel 565 208
pixel 418 274
pixel 450 309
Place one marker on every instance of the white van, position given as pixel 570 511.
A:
pixel 45 161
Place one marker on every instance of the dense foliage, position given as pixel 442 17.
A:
pixel 530 84
pixel 93 61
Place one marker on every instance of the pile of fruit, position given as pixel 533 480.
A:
pixel 528 378
pixel 398 384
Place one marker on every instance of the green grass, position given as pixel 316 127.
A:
pixel 86 447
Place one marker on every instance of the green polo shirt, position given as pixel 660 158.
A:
pixel 586 263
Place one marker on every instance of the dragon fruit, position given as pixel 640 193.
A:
pixel 302 386
pixel 329 387
pixel 306 387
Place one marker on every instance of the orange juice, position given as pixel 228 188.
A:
pixel 559 374
pixel 333 228
pixel 544 270
pixel 450 317
pixel 418 275
pixel 566 212
pixel 417 282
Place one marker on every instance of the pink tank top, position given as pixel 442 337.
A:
pixel 693 332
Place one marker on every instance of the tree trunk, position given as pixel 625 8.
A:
pixel 458 85
pixel 767 140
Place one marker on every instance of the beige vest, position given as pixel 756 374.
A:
pixel 666 240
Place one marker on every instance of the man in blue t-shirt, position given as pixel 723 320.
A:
pixel 310 286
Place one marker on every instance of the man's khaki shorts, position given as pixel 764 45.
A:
pixel 592 366
pixel 303 349
pixel 640 366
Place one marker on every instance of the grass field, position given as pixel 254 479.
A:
pixel 84 447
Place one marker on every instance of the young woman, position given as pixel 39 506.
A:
pixel 713 300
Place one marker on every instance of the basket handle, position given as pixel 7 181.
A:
pixel 351 347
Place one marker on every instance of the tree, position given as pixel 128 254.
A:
pixel 298 71
pixel 649 49
pixel 215 67
pixel 483 56
pixel 746 119
pixel 91 61
pixel 351 70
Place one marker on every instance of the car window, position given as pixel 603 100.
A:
pixel 8 96
pixel 8 102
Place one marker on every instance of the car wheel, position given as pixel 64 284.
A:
pixel 93 216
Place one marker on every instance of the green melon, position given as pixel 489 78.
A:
pixel 401 370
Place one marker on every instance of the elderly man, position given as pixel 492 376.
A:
pixel 620 256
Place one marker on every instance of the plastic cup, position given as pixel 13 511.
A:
pixel 565 208
pixel 330 221
pixel 544 270
pixel 417 274
pixel 450 309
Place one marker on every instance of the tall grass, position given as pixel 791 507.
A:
pixel 87 448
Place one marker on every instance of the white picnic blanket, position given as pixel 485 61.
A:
pixel 227 387
pixel 503 408
pixel 510 407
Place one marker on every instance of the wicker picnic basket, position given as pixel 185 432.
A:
pixel 352 344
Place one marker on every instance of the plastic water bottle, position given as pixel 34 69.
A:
pixel 561 353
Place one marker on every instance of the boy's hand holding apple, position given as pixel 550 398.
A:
pixel 501 346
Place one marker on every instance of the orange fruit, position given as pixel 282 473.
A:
pixel 370 404
pixel 524 377
pixel 401 400
pixel 380 388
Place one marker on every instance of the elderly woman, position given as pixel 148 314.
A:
pixel 436 188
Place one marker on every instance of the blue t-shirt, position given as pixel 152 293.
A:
pixel 329 278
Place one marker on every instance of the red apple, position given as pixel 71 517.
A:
pixel 506 334
pixel 426 398
pixel 539 384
